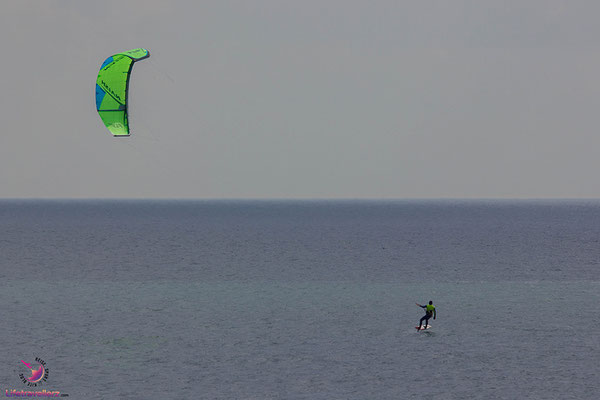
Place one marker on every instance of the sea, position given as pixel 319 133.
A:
pixel 311 299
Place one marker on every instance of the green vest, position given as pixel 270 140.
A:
pixel 430 309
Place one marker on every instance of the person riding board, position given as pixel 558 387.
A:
pixel 429 311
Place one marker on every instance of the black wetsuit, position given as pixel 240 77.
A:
pixel 428 314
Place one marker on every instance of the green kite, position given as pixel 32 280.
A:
pixel 112 87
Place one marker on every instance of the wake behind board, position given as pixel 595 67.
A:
pixel 422 328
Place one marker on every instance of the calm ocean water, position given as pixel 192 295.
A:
pixel 302 300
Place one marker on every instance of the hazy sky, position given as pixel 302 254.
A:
pixel 304 99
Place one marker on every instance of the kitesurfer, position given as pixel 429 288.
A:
pixel 429 312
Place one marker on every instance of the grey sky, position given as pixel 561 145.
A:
pixel 304 99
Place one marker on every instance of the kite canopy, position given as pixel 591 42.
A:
pixel 112 86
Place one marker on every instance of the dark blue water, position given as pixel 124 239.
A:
pixel 302 300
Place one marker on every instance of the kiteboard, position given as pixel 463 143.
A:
pixel 423 327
